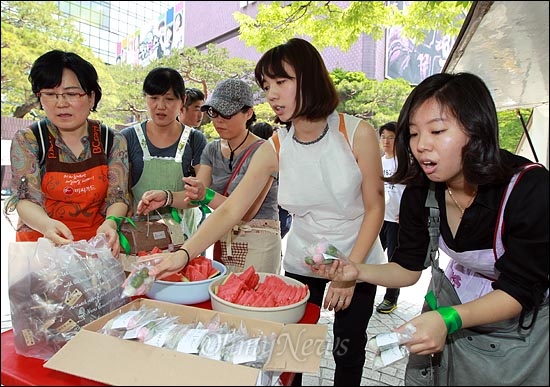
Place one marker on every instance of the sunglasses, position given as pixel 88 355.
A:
pixel 213 113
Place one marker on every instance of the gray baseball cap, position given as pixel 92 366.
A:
pixel 229 96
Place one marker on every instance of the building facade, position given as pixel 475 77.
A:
pixel 138 32
pixel 104 24
pixel 128 32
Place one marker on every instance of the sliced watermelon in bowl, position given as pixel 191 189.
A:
pixel 279 299
pixel 180 289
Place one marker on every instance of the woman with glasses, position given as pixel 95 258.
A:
pixel 331 185
pixel 82 180
pixel 254 238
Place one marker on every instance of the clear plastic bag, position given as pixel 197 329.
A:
pixel 55 290
pixel 139 280
pixel 322 253
pixel 389 347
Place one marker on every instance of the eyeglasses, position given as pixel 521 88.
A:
pixel 387 138
pixel 50 96
pixel 212 113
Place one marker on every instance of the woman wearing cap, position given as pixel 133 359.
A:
pixel 255 239
pixel 333 188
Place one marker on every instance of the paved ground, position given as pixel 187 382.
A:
pixel 409 305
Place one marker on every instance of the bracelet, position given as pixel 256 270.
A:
pixel 451 318
pixel 169 198
pixel 187 253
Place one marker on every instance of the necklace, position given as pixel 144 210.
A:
pixel 462 209
pixel 314 141
pixel 232 151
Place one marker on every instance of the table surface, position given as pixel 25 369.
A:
pixel 20 370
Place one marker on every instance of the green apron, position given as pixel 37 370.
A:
pixel 165 173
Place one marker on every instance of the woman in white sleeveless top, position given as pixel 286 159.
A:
pixel 332 185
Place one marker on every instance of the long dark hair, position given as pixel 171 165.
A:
pixel 316 96
pixel 467 97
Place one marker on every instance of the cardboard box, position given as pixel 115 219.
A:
pixel 115 361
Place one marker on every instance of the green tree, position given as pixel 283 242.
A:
pixel 128 105
pixel 377 102
pixel 511 128
pixel 329 25
pixel 29 29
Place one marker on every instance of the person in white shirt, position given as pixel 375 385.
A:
pixel 392 193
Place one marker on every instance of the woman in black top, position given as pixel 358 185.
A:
pixel 447 134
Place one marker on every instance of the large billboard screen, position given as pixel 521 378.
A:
pixel 404 59
pixel 154 40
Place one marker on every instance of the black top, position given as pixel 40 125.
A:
pixel 524 266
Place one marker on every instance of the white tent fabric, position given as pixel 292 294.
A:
pixel 506 44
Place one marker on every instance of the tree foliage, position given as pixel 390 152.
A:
pixel 29 29
pixel 377 102
pixel 511 128
pixel 329 25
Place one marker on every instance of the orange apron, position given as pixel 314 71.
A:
pixel 75 192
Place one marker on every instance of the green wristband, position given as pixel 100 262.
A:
pixel 210 193
pixel 208 196
pixel 124 243
pixel 451 318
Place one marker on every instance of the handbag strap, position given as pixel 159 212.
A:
pixel 241 162
pixel 432 255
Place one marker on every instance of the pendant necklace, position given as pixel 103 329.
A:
pixel 314 141
pixel 232 151
pixel 462 209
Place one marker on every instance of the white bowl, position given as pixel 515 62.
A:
pixel 186 293
pixel 288 314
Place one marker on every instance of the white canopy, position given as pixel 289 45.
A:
pixel 506 44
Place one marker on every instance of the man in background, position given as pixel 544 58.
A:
pixel 392 193
pixel 192 114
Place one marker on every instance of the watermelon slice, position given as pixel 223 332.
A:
pixel 156 250
pixel 231 288
pixel 272 292
pixel 198 269
pixel 194 274
pixel 176 277
pixel 250 277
